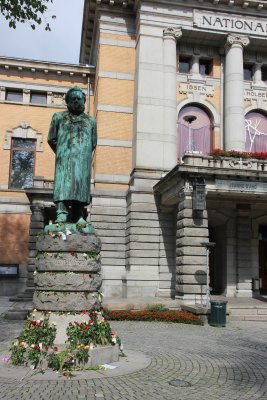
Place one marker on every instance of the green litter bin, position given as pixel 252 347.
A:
pixel 218 313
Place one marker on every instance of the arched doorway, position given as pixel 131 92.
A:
pixel 195 135
pixel 256 131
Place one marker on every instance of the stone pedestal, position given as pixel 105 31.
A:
pixel 67 274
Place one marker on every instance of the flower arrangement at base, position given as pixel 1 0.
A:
pixel 35 344
pixel 36 338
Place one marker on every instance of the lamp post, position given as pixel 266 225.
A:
pixel 189 119
pixel 209 246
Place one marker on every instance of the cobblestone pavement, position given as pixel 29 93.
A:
pixel 216 363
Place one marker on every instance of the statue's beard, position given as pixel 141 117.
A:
pixel 76 110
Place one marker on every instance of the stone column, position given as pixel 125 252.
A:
pixel 257 74
pixel 191 260
pixel 234 93
pixel 170 36
pixel 195 67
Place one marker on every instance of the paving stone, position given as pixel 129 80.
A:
pixel 218 363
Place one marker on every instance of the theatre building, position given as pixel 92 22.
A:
pixel 179 91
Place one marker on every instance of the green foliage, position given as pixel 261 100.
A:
pixel 21 11
pixel 92 332
pixel 34 341
pixel 156 307
pixel 60 361
pixel 17 354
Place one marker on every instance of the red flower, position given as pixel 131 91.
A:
pixel 84 311
pixel 72 253
pixel 55 348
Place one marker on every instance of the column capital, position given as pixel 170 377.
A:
pixel 237 39
pixel 172 33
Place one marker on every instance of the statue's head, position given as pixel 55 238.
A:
pixel 75 99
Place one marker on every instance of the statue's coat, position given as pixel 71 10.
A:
pixel 73 138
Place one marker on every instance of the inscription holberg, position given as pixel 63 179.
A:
pixel 228 23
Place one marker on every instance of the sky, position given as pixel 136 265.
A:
pixel 62 44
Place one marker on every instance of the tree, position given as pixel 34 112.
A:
pixel 32 11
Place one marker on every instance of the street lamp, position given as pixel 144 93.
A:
pixel 209 246
pixel 189 119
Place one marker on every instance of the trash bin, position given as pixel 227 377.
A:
pixel 218 313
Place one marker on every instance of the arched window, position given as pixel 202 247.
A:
pixel 194 134
pixel 256 132
pixel 23 142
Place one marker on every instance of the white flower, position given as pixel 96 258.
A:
pixel 54 324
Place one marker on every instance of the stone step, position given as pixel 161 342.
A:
pixel 248 311
pixel 262 318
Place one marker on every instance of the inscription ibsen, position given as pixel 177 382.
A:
pixel 190 87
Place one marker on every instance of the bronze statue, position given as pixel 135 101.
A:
pixel 72 136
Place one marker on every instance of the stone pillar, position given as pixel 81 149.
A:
pixel 170 36
pixel 234 93
pixel 190 253
pixel 195 67
pixel 257 74
pixel 154 143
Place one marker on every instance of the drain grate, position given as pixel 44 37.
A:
pixel 179 382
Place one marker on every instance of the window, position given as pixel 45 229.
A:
pixel 38 98
pixel 14 95
pixel 194 135
pixel 22 163
pixel 264 73
pixel 248 72
pixel 205 67
pixel 184 65
pixel 256 132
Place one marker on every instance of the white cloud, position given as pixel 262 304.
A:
pixel 62 44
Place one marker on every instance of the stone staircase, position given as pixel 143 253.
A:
pixel 247 309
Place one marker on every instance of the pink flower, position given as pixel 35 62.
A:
pixel 6 358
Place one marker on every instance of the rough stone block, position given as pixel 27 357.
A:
pixel 74 242
pixel 67 262
pixel 63 301
pixel 67 281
